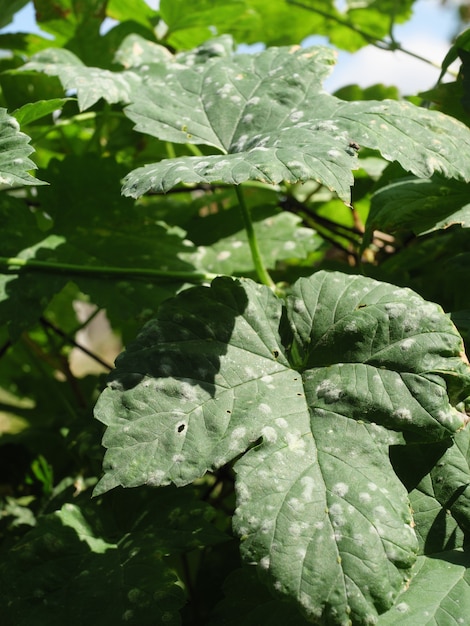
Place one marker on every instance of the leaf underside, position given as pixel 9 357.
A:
pixel 309 394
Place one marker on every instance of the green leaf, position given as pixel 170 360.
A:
pixel 322 386
pixel 437 477
pixel 462 42
pixel 91 84
pixel 187 29
pixel 420 206
pixel 90 225
pixel 36 110
pixel 248 602
pixel 136 51
pixel 14 152
pixel 64 563
pixel 134 10
pixel 8 8
pixel 439 593
pixel 280 236
pixel 266 113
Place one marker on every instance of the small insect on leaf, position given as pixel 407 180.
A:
pixel 354 145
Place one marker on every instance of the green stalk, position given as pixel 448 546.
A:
pixel 258 262
pixel 15 265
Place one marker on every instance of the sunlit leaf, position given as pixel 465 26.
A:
pixel 322 386
pixel 14 152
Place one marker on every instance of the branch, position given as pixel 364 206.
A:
pixel 15 265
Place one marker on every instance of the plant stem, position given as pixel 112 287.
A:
pixel 15 265
pixel 382 44
pixel 260 268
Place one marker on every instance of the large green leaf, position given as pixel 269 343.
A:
pixel 420 206
pixel 322 385
pixel 269 117
pixel 90 83
pixel 14 152
pixel 439 593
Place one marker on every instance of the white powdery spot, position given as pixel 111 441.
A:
pixel 224 255
pixel 308 484
pixel 334 154
pixel 238 432
pixel 295 443
pixel 402 607
pixel 372 486
pixel 403 414
pixel 178 458
pixel 407 343
pixel 395 309
pixel 264 562
pixel 329 391
pixel 301 553
pixel 365 497
pixel 188 392
pixel 265 408
pixel 380 510
pixel 281 422
pixel 340 489
pixel 299 306
pixel 248 118
pixel 295 116
pixel 296 505
pixel 155 479
pixel 269 434
pixel 295 529
pixel 243 493
pixel 289 245
pixel 336 509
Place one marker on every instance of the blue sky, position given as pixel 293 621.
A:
pixel 428 33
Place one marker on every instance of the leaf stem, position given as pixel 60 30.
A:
pixel 15 265
pixel 382 44
pixel 258 262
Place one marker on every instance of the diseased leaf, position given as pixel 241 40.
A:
pixel 90 83
pixel 14 152
pixel 322 386
pixel 280 236
pixel 269 117
pixel 438 594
